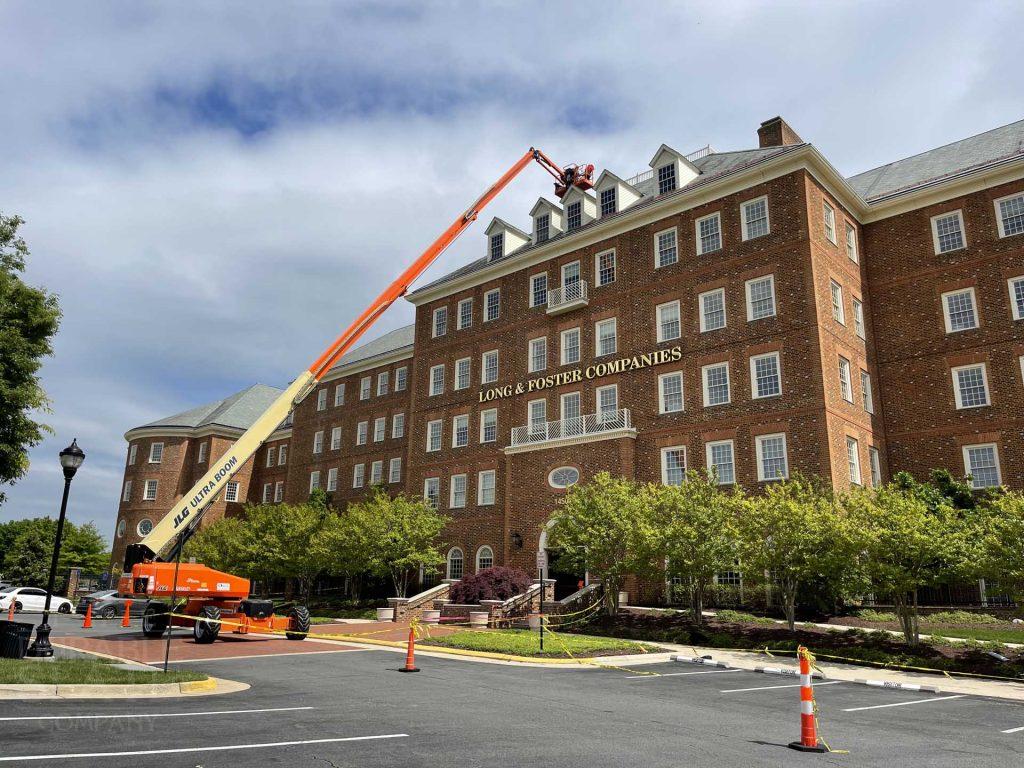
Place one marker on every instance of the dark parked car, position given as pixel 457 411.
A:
pixel 106 604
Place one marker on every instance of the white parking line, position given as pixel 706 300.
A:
pixel 906 703
pixel 680 674
pixel 180 750
pixel 1014 730
pixel 773 687
pixel 136 715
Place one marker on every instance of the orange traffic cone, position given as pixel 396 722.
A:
pixel 10 612
pixel 87 622
pixel 809 741
pixel 127 613
pixel 410 658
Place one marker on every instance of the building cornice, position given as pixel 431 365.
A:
pixel 209 430
pixel 384 358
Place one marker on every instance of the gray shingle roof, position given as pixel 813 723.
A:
pixel 238 411
pixel 392 341
pixel 940 163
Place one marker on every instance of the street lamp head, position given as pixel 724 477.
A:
pixel 71 459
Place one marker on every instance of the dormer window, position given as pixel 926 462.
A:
pixel 608 201
pixel 542 226
pixel 574 215
pixel 497 245
pixel 666 178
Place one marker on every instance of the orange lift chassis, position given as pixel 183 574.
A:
pixel 213 596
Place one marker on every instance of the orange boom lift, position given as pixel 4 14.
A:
pixel 211 596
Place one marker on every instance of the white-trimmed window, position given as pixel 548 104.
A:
pixel 830 222
pixel 465 319
pixel 563 477
pixel 380 429
pixel 457 492
pixel 314 481
pixel 608 402
pixel 981 463
pixel 673 465
pixel 542 227
pixel 720 458
pixel 838 308
pixel 1016 286
pixel 538 354
pixel 145 527
pixel 268 491
pixel 364 388
pixel 573 216
pixel 362 430
pixel 666 178
pixel 339 394
pixel 669 326
pixel 133 452
pixel 604 268
pixel 708 231
pixel 958 310
pixel 608 201
pixel 395 470
pixel 571 277
pixel 270 456
pixel 570 347
pixel 765 375
pixel 537 416
pixel 492 305
pixel 332 481
pixel 460 431
pixel 432 493
pixel 401 378
pixel 875 461
pixel 484 558
pixel 126 493
pixel 539 290
pixel 970 386
pixel 455 563
pixel 149 490
pixel 485 483
pixel 712 310
pixel 772 461
pixel 489 367
pixel 318 441
pixel 867 395
pixel 571 410
pixel 156 453
pixel 754 218
pixel 716 384
pixel 760 298
pixel 1010 215
pixel 321 400
pixel 434 429
pixel 462 373
pixel 335 438
pixel 398 425
pixel 489 425
pixel 606 337
pixel 948 232
pixel 279 491
pixel 845 382
pixel 851 243
pixel 377 472
pixel 201 458
pixel 497 245
pixel 853 460
pixel 670 392
pixel 1021 360
pixel 358 475
pixel 383 382
pixel 282 455
pixel 666 248
pixel 858 317
pixel 436 379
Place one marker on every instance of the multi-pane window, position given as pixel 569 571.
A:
pixel 457 492
pixel 485 487
pixel 709 233
pixel 542 227
pixel 465 314
pixel 571 279
pixel 156 453
pixel 432 493
pixel 851 243
pixel 608 201
pixel 668 321
pixel 712 310
pixel 282 455
pixel 867 395
pixel 335 438
pixel 332 480
pixel 571 410
pixel 314 480
pixel 377 473
pixel 716 384
pixel 460 431
pixel 539 290
pixel 380 429
pixel 383 382
pixel 321 400
pixel 761 298
pixel 673 465
pixel 231 491
pixel 981 462
pixel 268 490
pixel 573 216
pixel 133 452
pixel 489 367
pixel 721 462
pixel 489 425
pixel 440 321
pixel 201 458
pixel 395 470
pixel 959 312
pixel 830 222
pixel 497 245
pixel 537 411
pixel 455 563
pixel 838 310
pixel 1016 285
pixel 484 558
pixel 858 317
pixel 875 461
pixel 570 346
pixel 149 490
pixel 126 494
pixel 607 337
pixel 270 456
pixel 772 462
pixel 434 435
pixel 364 388
pixel 948 232
pixel 666 178
pixel 538 354
pixel 339 394
pixel 318 442
pixel 670 389
pixel 666 248
pixel 1010 215
pixel 358 475
pixel 492 305
pixel 604 268
pixel 462 368
pixel 436 379
pixel 362 430
pixel 845 385
pixel 279 491
pixel 765 378
pixel 401 379
pixel 853 460
pixel 970 386
pixel 754 214
pixel 398 425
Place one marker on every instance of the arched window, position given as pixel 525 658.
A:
pixel 455 563
pixel 122 526
pixel 484 558
pixel 144 527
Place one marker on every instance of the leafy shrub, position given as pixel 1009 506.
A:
pixel 960 618
pixel 739 617
pixel 498 583
pixel 869 614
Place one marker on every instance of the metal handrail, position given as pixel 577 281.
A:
pixel 567 294
pixel 577 426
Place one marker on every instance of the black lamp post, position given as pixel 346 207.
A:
pixel 71 459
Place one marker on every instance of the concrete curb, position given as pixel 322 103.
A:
pixel 899 686
pixel 118 691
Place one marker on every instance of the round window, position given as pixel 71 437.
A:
pixel 121 526
pixel 563 477
pixel 144 527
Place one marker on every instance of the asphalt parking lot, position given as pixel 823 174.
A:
pixel 355 709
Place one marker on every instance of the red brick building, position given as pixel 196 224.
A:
pixel 755 311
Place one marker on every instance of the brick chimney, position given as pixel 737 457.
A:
pixel 777 133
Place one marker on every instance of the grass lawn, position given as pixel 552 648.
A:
pixel 524 642
pixel 70 671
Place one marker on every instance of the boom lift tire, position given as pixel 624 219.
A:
pixel 298 623
pixel 207 625
pixel 155 619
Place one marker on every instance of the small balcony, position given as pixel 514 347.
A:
pixel 567 298
pixel 573 431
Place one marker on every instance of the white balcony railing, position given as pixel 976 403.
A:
pixel 567 297
pixel 593 424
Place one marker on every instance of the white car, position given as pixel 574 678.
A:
pixel 32 599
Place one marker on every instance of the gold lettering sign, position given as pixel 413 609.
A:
pixel 574 375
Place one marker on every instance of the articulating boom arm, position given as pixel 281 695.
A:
pixel 187 511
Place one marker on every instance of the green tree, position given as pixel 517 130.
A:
pixel 221 545
pixel 83 547
pixel 608 526
pixel 1001 543
pixel 698 539
pixel 27 553
pixel 29 318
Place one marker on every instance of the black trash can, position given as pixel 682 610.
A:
pixel 15 637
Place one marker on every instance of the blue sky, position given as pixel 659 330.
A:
pixel 240 179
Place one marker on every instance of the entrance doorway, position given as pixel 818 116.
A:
pixel 566 581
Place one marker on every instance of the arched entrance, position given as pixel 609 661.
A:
pixel 566 581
